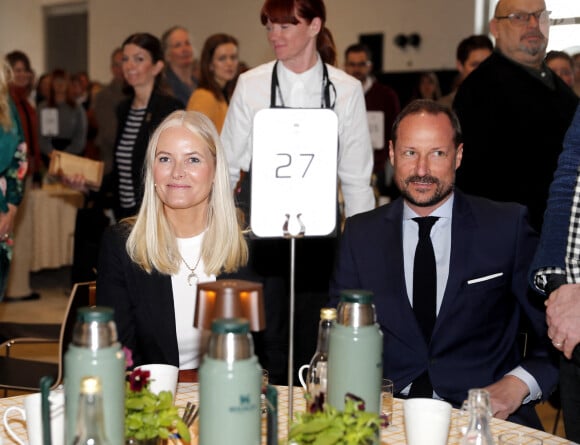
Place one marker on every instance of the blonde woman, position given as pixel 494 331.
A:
pixel 186 232
pixel 13 166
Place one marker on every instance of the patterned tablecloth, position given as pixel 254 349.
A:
pixel 393 435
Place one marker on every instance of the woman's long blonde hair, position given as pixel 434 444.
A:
pixel 152 243
pixel 5 116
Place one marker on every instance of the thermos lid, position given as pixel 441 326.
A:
pixel 328 313
pixel 95 327
pixel 97 314
pixel 230 326
pixel 356 296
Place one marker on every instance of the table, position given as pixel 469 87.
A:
pixel 53 211
pixel 394 435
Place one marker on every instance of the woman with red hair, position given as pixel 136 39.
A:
pixel 302 76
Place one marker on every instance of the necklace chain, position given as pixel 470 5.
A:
pixel 192 275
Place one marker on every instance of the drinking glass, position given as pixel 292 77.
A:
pixel 387 402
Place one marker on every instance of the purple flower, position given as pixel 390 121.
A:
pixel 138 379
pixel 128 357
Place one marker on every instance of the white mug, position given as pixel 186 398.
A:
pixel 32 415
pixel 301 378
pixel 163 377
pixel 426 421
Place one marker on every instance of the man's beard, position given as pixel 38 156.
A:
pixel 535 49
pixel 439 195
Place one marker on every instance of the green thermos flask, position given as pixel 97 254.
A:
pixel 95 352
pixel 355 356
pixel 230 383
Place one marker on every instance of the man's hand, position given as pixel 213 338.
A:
pixel 507 395
pixel 563 317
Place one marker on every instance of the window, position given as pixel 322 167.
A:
pixel 565 28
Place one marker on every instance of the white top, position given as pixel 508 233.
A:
pixel 304 90
pixel 189 339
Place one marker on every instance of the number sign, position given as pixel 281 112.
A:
pixel 294 171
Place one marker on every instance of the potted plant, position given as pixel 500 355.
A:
pixel 151 417
pixel 328 426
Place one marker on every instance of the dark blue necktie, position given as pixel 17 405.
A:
pixel 424 295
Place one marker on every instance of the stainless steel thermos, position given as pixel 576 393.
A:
pixel 95 352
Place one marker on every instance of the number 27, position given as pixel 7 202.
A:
pixel 288 163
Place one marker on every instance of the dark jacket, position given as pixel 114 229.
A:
pixel 513 126
pixel 475 338
pixel 159 107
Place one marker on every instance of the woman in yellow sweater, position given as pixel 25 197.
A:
pixel 219 67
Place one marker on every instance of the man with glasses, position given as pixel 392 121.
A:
pixel 382 105
pixel 514 112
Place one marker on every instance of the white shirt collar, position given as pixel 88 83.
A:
pixel 443 211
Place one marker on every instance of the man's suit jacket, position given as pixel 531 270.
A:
pixel 474 341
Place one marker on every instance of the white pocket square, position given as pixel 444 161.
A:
pixel 486 278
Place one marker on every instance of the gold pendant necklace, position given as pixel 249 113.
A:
pixel 192 275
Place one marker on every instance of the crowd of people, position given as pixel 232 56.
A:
pixel 455 261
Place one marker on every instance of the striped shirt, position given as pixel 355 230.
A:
pixel 124 157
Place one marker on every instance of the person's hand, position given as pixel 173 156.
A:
pixel 563 317
pixel 7 222
pixel 76 182
pixel 506 395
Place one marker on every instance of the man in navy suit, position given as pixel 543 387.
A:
pixel 482 249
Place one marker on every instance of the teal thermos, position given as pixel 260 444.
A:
pixel 95 352
pixel 230 383
pixel 355 356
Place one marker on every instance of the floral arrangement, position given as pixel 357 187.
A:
pixel 149 415
pixel 328 426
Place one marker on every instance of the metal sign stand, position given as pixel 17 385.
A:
pixel 294 183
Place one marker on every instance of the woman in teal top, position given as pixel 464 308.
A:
pixel 13 166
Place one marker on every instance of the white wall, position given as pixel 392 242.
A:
pixel 441 24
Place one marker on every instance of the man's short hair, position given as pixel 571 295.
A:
pixel 559 55
pixel 471 43
pixel 428 106
pixel 358 48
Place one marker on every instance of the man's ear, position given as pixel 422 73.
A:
pixel 460 67
pixel 391 152
pixel 493 28
pixel 458 156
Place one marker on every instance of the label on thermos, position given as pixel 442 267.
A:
pixel 229 402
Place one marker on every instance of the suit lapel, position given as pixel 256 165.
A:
pixel 463 226
pixel 400 319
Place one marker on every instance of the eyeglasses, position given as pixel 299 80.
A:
pixel 523 18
